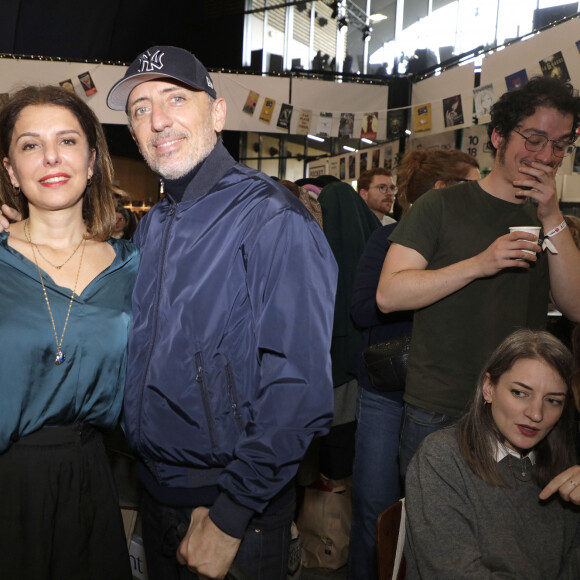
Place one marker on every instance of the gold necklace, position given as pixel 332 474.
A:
pixel 43 256
pixel 59 358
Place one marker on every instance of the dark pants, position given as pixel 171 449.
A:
pixel 263 553
pixel 59 512
pixel 417 424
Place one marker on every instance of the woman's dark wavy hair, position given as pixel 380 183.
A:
pixel 515 106
pixel 477 433
pixel 98 198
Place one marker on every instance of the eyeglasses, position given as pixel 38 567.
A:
pixel 560 147
pixel 384 188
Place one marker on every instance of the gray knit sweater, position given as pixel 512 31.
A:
pixel 459 527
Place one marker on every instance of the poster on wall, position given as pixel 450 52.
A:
pixel 324 125
pixel 516 80
pixel 483 99
pixel 362 163
pixel 376 158
pixel 369 126
pixel 453 111
pixel 576 166
pixel 395 124
pixel 67 85
pixel 555 67
pixel 422 118
pixel 267 110
pixel 351 167
pixel 342 170
pixel 87 83
pixel 317 170
pixel 251 102
pixel 388 158
pixel 346 126
pixel 333 168
pixel 304 118
pixel 285 116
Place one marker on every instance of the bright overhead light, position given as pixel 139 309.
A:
pixel 407 132
pixel 377 18
pixel 347 148
pixel 367 141
pixel 315 138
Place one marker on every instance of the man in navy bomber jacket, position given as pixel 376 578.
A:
pixel 229 374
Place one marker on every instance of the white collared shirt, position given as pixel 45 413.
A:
pixel 503 451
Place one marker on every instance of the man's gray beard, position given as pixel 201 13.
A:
pixel 177 172
pixel 206 143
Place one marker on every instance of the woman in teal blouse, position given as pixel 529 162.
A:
pixel 65 311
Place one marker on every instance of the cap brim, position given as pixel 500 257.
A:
pixel 119 94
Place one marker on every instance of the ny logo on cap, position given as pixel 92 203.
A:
pixel 150 62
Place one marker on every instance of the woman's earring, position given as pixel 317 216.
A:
pixel 16 189
pixel 89 182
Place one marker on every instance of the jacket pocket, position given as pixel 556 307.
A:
pixel 232 393
pixel 200 378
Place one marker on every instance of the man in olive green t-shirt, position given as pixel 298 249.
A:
pixel 471 282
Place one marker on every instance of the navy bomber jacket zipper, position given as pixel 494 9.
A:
pixel 172 212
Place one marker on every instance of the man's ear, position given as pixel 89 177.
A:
pixel 364 194
pixel 219 110
pixel 496 139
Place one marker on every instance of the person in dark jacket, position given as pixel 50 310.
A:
pixel 376 482
pixel 229 375
pixel 348 223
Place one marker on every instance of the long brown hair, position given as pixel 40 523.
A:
pixel 98 198
pixel 420 169
pixel 477 433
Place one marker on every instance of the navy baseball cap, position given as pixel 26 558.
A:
pixel 159 63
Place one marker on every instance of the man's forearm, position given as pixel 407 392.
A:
pixel 413 289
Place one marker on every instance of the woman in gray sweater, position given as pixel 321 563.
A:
pixel 472 491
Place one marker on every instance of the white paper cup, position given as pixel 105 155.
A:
pixel 535 230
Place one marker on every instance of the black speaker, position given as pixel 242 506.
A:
pixel 543 16
pixel 422 59
pixel 274 62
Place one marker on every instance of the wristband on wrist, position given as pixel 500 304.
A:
pixel 553 232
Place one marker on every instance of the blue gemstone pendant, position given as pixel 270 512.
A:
pixel 60 358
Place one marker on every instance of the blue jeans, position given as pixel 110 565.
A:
pixel 375 477
pixel 263 554
pixel 417 424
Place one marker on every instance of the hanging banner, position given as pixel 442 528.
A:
pixel 267 110
pixel 422 118
pixel 555 66
pixel 452 111
pixel 285 116
pixel 346 126
pixel 251 102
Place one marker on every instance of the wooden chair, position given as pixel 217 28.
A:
pixel 390 542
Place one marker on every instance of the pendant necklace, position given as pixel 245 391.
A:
pixel 60 357
pixel 523 471
pixel 35 246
